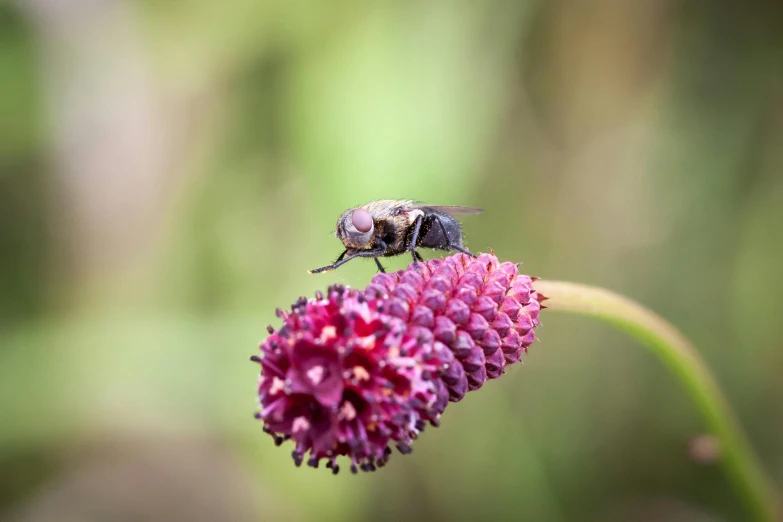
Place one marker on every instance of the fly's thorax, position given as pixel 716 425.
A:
pixel 393 231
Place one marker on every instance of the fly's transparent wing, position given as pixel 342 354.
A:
pixel 455 210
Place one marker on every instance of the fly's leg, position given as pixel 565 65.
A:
pixel 414 240
pixel 451 245
pixel 340 261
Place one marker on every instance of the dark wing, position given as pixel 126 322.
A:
pixel 455 210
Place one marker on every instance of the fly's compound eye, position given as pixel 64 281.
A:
pixel 362 220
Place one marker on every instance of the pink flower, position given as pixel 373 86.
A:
pixel 353 371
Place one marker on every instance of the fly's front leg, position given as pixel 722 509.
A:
pixel 340 261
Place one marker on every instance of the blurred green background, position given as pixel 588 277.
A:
pixel 169 171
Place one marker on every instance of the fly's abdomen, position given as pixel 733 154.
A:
pixel 434 232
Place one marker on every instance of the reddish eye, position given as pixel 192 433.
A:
pixel 362 220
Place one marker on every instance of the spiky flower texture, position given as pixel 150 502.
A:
pixel 352 372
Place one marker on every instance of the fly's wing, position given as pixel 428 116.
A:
pixel 455 210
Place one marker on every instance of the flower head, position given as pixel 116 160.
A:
pixel 354 371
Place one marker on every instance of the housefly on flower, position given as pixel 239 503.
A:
pixel 390 227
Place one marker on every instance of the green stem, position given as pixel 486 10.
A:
pixel 737 457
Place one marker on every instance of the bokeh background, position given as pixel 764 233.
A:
pixel 169 170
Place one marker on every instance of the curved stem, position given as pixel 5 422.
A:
pixel 737 457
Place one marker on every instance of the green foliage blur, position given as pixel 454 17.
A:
pixel 169 170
